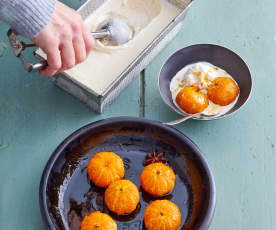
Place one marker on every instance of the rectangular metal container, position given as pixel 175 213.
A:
pixel 98 102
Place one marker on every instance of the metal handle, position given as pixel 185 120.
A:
pixel 180 120
pixel 191 116
pixel 100 34
pixel 38 66
pixel 19 47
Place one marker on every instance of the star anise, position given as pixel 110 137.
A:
pixel 154 157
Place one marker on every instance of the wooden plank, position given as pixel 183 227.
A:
pixel 241 148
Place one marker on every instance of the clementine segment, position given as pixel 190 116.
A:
pixel 223 91
pixel 162 215
pixel 104 168
pixel 157 179
pixel 98 221
pixel 191 100
pixel 122 197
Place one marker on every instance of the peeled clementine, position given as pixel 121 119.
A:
pixel 98 221
pixel 122 197
pixel 223 91
pixel 157 179
pixel 104 168
pixel 191 100
pixel 162 215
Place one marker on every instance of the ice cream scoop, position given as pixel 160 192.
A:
pixel 114 30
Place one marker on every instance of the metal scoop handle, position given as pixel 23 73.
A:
pixel 18 48
pixel 100 34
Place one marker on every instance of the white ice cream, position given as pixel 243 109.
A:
pixel 138 14
pixel 200 73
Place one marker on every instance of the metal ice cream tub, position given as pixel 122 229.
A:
pixel 98 101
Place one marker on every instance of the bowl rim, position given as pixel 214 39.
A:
pixel 207 219
pixel 206 118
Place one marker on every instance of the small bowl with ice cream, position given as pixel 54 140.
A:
pixel 206 80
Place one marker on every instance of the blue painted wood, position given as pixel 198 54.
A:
pixel 240 148
pixel 35 117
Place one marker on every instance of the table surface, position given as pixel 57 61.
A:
pixel 35 116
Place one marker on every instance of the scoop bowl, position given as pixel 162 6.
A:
pixel 119 32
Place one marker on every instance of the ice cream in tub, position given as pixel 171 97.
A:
pixel 109 69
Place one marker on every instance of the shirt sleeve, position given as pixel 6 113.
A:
pixel 27 17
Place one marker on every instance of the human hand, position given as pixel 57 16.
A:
pixel 65 40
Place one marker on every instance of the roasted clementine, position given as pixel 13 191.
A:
pixel 192 100
pixel 223 91
pixel 104 168
pixel 98 221
pixel 162 215
pixel 157 179
pixel 122 197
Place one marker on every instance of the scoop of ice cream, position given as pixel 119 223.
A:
pixel 119 31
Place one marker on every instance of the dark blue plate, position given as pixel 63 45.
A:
pixel 66 193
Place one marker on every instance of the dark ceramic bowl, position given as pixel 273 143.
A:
pixel 66 194
pixel 214 54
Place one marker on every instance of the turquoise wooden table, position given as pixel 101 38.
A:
pixel 35 117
